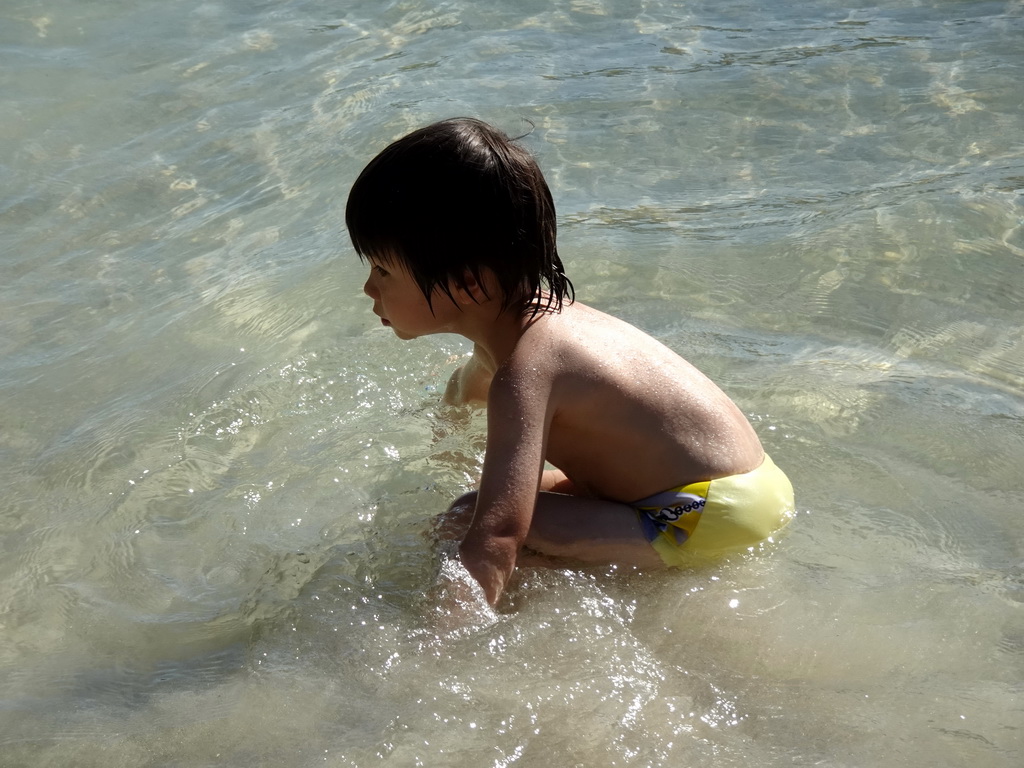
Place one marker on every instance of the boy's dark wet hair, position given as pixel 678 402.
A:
pixel 460 196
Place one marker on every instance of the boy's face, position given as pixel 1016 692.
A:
pixel 401 305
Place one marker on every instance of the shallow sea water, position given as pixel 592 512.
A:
pixel 219 472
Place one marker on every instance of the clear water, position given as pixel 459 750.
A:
pixel 218 471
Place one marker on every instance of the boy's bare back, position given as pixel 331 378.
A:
pixel 628 416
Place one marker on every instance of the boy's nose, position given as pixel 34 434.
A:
pixel 368 289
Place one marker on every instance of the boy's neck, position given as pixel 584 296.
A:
pixel 496 333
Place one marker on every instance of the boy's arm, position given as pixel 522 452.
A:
pixel 468 384
pixel 518 420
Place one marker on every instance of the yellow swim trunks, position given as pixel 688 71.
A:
pixel 728 513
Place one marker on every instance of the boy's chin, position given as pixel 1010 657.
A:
pixel 400 334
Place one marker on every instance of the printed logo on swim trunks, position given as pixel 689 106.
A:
pixel 672 513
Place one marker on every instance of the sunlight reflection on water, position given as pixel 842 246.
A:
pixel 219 474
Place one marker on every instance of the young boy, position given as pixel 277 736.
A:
pixel 458 226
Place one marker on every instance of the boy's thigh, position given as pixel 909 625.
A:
pixel 590 530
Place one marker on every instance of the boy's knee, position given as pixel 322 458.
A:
pixel 465 501
pixel 454 523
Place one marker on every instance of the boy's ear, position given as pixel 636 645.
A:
pixel 471 291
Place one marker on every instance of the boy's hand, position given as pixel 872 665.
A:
pixel 458 604
pixel 491 563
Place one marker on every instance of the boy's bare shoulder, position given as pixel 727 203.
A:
pixel 584 341
pixel 583 360
pixel 581 355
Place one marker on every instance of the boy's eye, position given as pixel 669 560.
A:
pixel 380 270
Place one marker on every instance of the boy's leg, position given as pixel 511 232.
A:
pixel 590 531
pixel 569 527
pixel 453 524
pixel 555 481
